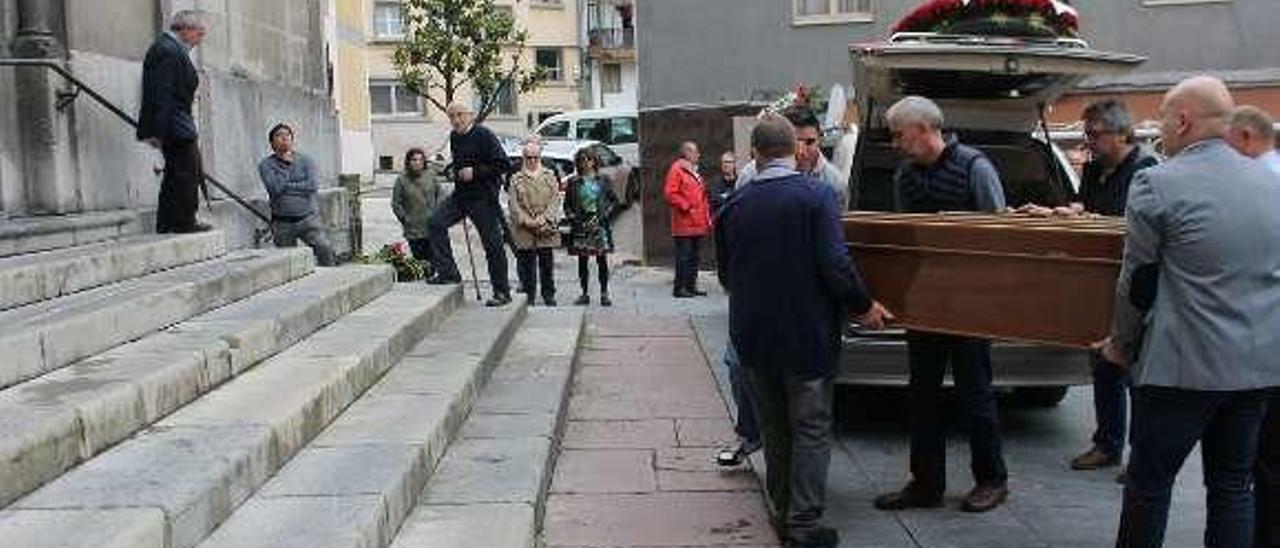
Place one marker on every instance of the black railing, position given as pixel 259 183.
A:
pixel 65 98
pixel 615 38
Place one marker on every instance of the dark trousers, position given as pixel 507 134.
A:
pixel 795 420
pixel 1110 405
pixel 1167 423
pixel 486 216
pixel 745 425
pixel 687 262
pixel 180 186
pixel 970 360
pixel 532 264
pixel 602 272
pixel 309 229
pixel 1267 481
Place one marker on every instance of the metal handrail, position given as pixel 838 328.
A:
pixel 65 98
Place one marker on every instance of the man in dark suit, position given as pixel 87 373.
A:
pixel 791 284
pixel 169 82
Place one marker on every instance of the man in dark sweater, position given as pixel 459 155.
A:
pixel 479 164
pixel 1108 131
pixel 791 284
pixel 290 179
pixel 942 175
pixel 169 82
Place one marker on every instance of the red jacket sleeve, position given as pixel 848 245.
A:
pixel 672 188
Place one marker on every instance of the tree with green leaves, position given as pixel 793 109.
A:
pixel 453 44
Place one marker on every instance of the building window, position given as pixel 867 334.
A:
pixel 504 104
pixel 390 98
pixel 818 12
pixel 549 60
pixel 558 4
pixel 611 78
pixel 388 20
pixel 386 163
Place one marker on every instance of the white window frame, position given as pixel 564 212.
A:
pixel 557 75
pixel 833 16
pixel 547 4
pixel 378 33
pixel 396 89
pixel 604 86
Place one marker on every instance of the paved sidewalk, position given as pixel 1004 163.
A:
pixel 636 464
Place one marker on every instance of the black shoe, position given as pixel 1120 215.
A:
pixel 582 300
pixel 698 292
pixel 820 536
pixel 549 301
pixel 913 495
pixel 605 300
pixel 734 457
pixel 443 280
pixel 682 294
pixel 498 299
pixel 192 229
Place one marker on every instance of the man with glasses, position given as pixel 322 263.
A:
pixel 1104 189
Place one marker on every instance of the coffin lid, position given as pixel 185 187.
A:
pixel 981 82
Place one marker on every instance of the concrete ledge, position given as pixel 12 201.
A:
pixel 355 483
pixel 104 399
pixel 203 461
pixel 33 277
pixel 48 335
pixel 31 234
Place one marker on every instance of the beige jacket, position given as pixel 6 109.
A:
pixel 534 207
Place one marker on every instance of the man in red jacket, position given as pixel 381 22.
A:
pixel 690 218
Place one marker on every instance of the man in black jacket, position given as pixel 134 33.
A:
pixel 169 82
pixel 479 165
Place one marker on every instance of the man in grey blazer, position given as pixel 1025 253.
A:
pixel 1203 251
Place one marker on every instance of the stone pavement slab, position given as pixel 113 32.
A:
pixel 626 477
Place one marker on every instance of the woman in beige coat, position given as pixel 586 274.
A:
pixel 534 206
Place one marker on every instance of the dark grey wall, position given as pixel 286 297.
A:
pixel 725 50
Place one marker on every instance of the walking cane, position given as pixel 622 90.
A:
pixel 471 257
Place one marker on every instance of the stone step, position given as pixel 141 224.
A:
pixel 490 489
pixel 44 336
pixel 193 468
pixel 33 277
pixel 32 234
pixel 354 484
pixel 49 424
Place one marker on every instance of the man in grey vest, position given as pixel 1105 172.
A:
pixel 944 175
pixel 290 179
pixel 1205 224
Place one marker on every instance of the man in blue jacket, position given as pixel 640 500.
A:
pixel 791 286
pixel 169 82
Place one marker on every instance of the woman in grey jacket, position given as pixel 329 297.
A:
pixel 416 193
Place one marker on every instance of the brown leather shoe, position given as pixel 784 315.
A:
pixel 984 498
pixel 1094 459
pixel 912 496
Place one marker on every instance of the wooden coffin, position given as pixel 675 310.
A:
pixel 1013 277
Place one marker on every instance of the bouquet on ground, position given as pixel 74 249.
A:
pixel 396 254
pixel 1035 18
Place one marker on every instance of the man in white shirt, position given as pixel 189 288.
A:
pixel 1253 134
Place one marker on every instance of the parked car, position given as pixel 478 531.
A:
pixel 558 157
pixel 617 128
pixel 992 92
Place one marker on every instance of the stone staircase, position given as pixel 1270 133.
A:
pixel 166 392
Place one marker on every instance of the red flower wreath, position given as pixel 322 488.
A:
pixel 1037 16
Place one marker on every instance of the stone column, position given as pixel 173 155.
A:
pixel 47 160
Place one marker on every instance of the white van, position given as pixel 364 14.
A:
pixel 618 128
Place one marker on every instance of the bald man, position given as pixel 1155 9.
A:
pixel 1204 224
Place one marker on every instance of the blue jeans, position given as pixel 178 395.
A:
pixel 1167 423
pixel 745 426
pixel 970 359
pixel 1110 405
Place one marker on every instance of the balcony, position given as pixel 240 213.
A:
pixel 611 44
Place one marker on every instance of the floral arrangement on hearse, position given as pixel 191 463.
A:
pixel 1030 18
